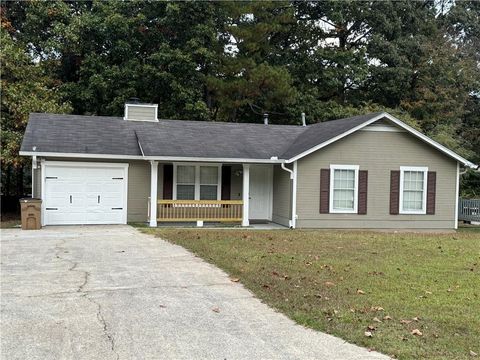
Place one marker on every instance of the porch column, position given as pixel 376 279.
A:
pixel 153 192
pixel 246 194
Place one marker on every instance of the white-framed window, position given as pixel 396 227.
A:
pixel 344 189
pixel 196 182
pixel 413 190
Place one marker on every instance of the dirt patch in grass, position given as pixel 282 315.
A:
pixel 396 286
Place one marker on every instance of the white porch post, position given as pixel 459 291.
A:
pixel 153 192
pixel 246 194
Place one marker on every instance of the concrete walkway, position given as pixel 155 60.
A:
pixel 110 292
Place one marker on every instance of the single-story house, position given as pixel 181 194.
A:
pixel 370 171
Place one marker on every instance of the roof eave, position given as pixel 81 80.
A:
pixel 158 158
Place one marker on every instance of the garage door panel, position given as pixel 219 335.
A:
pixel 84 195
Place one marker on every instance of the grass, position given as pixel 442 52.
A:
pixel 339 282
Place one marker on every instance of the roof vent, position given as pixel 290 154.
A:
pixel 137 111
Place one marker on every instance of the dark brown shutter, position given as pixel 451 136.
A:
pixel 394 191
pixel 362 191
pixel 168 181
pixel 431 190
pixel 226 182
pixel 324 191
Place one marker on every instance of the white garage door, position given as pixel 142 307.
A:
pixel 85 193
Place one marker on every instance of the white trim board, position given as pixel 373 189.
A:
pixel 159 158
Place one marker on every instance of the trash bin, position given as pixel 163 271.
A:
pixel 31 212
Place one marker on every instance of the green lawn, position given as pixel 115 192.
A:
pixel 343 283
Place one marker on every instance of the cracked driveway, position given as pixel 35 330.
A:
pixel 110 292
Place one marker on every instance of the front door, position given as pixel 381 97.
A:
pixel 261 192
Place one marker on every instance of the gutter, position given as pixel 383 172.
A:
pixel 292 223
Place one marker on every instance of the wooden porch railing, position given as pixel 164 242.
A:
pixel 199 210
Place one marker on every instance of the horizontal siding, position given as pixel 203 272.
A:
pixel 377 152
pixel 141 113
pixel 281 196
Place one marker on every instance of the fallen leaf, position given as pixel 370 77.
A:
pixel 329 284
pixel 368 334
pixel 428 292
pixel 405 321
pixel 473 353
pixel 377 308
pixel 387 317
pixel 371 327
pixel 234 279
pixel 216 309
pixel 416 318
pixel 377 320
pixel 416 332
pixel 162 306
pixel 360 292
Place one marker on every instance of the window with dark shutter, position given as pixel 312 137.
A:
pixel 362 191
pixel 324 191
pixel 431 192
pixel 394 191
pixel 168 182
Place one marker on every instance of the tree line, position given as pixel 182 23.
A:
pixel 234 61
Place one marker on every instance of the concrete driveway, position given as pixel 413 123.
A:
pixel 110 292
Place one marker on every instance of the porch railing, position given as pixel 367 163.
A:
pixel 469 209
pixel 199 210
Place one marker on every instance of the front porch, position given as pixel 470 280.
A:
pixel 198 193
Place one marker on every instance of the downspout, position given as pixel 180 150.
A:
pixel 34 167
pixel 293 176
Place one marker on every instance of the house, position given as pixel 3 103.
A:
pixel 370 171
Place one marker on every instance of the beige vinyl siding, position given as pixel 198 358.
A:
pixel 377 152
pixel 37 189
pixel 145 113
pixel 138 185
pixel 281 196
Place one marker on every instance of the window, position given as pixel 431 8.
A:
pixel 343 188
pixel 185 182
pixel 413 190
pixel 208 182
pixel 196 182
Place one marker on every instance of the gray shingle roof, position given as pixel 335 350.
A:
pixel 318 133
pixel 180 138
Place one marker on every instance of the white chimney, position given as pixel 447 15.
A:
pixel 304 123
pixel 265 118
pixel 137 111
